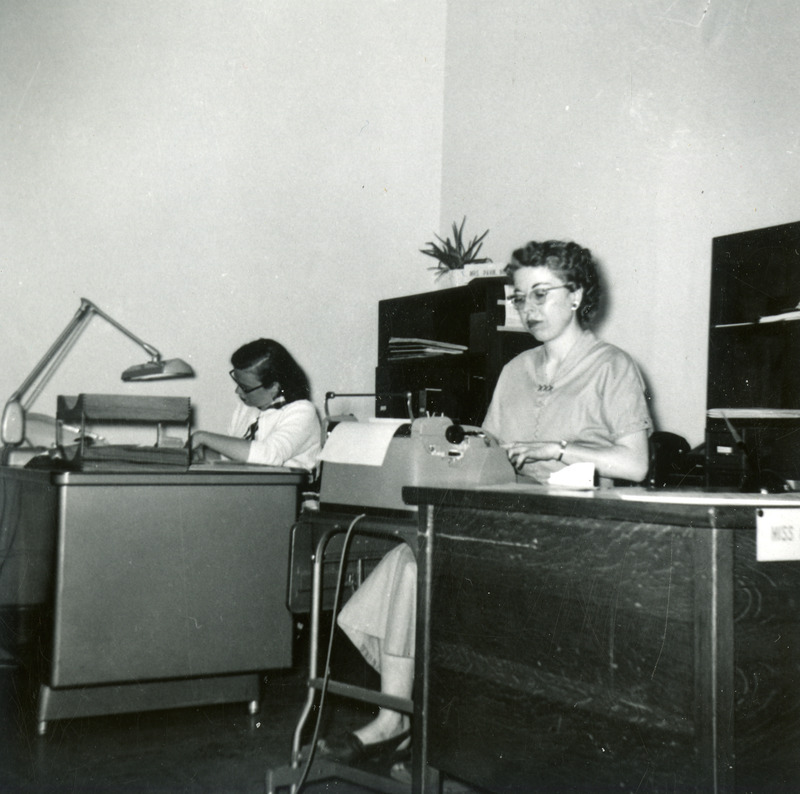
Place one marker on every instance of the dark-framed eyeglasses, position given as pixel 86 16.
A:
pixel 537 296
pixel 244 389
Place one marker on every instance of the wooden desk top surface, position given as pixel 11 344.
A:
pixel 695 506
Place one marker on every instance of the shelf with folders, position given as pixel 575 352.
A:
pixel 402 348
pixel 465 321
pixel 754 338
pixel 753 394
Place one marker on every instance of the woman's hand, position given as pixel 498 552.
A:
pixel 197 447
pixel 208 446
pixel 522 452
pixel 626 459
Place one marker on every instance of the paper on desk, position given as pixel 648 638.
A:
pixel 692 496
pixel 364 443
pixel 577 475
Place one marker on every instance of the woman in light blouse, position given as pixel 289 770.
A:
pixel 275 423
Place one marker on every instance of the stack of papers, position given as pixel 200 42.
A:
pixel 698 497
pixel 789 314
pixel 785 315
pixel 112 457
pixel 753 413
pixel 407 347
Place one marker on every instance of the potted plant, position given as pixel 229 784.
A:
pixel 452 257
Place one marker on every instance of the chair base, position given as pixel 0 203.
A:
pixel 326 769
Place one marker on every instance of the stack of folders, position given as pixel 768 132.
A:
pixel 129 457
pixel 753 413
pixel 789 314
pixel 407 347
pixel 792 313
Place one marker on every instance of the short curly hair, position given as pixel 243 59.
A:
pixel 573 264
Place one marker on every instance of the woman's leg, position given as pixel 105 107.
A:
pixel 396 657
pixel 380 619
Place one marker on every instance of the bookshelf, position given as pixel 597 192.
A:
pixel 754 338
pixel 459 382
pixel 753 354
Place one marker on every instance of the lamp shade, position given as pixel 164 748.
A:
pixel 159 370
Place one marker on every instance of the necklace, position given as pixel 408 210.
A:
pixel 550 371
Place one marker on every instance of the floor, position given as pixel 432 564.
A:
pixel 219 749
pixel 208 749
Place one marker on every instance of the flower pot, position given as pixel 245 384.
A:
pixel 452 278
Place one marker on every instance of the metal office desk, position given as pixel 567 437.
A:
pixel 168 589
pixel 570 642
pixel 28 503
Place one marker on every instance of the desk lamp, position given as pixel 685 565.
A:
pixel 12 429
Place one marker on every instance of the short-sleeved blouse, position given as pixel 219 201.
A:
pixel 596 396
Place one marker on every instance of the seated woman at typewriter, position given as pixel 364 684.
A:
pixel 275 423
pixel 572 399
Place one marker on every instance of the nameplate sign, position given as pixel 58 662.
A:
pixel 777 534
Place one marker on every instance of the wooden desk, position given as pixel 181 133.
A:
pixel 168 589
pixel 575 643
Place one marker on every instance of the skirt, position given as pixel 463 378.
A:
pixel 380 616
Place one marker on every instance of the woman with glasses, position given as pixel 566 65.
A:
pixel 573 398
pixel 275 423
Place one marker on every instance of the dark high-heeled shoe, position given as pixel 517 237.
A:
pixel 349 749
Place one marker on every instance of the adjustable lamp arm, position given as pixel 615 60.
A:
pixel 12 429
pixel 149 349
pixel 65 339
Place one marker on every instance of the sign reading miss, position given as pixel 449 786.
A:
pixel 777 534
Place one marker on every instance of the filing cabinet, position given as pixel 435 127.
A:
pixel 458 385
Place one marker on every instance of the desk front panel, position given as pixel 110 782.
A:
pixel 569 652
pixel 171 578
pixel 28 502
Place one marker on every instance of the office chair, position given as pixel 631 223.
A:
pixel 668 465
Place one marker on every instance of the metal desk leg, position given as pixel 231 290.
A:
pixel 321 769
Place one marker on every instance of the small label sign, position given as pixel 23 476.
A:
pixel 777 534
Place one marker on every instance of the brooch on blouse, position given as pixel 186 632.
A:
pixel 545 387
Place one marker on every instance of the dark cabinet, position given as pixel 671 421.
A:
pixel 752 362
pixel 458 385
pixel 753 350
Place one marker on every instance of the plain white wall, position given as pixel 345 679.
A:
pixel 640 129
pixel 210 172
